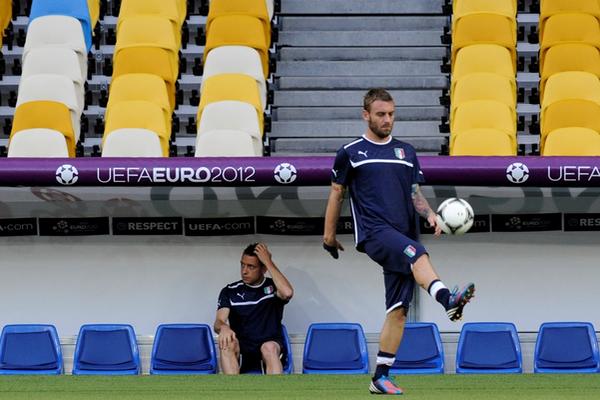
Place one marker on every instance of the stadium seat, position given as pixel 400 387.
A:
pixel 483 86
pixel 38 142
pixel 5 16
pixel 569 28
pixel 571 85
pixel 488 58
pixel 94 9
pixel 144 38
pixel 237 87
pixel 72 8
pixel 48 115
pixel 236 60
pixel 570 113
pixel 104 349
pixel 335 348
pixel 483 142
pixel 256 9
pixel 52 87
pixel 238 30
pixel 225 143
pixel 569 57
pixel 458 4
pixel 138 114
pixel 566 347
pixel 288 362
pixel 234 115
pixel 488 348
pixel 132 142
pixel 57 31
pixel 145 87
pixel 549 8
pixel 485 22
pixel 30 349
pixel 183 349
pixel 58 61
pixel 160 8
pixel 421 350
pixel 572 141
pixel 477 114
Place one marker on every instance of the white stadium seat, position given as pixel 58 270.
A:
pixel 38 143
pixel 132 142
pixel 225 143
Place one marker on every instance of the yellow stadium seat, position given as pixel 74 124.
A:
pixel 569 28
pixel 569 57
pixel 457 4
pixel 572 142
pixel 145 87
pixel 161 8
pixel 483 142
pixel 569 113
pixel 571 85
pixel 483 86
pixel 488 58
pixel 5 14
pixel 549 8
pixel 94 7
pixel 252 8
pixel 138 114
pixel 479 114
pixel 238 30
pixel 45 114
pixel 146 44
pixel 235 87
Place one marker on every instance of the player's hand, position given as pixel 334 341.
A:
pixel 332 247
pixel 432 220
pixel 263 254
pixel 226 337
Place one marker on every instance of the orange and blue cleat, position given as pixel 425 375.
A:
pixel 384 385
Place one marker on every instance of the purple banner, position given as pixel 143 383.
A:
pixel 290 171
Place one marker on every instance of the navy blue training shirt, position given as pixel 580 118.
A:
pixel 379 178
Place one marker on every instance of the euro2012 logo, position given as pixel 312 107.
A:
pixel 67 174
pixel 285 173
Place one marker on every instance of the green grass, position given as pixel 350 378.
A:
pixel 442 387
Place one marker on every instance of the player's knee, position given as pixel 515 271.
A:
pixel 398 315
pixel 270 350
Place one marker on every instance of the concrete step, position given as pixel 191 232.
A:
pixel 408 113
pixel 360 68
pixel 360 38
pixel 381 7
pixel 355 127
pixel 361 53
pixel 328 146
pixel 348 98
pixel 361 82
pixel 371 23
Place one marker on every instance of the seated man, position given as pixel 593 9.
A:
pixel 249 315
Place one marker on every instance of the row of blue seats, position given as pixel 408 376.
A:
pixel 330 348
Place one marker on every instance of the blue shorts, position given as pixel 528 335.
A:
pixel 396 253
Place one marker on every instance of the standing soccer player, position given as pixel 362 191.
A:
pixel 383 177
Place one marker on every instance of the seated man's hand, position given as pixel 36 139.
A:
pixel 226 337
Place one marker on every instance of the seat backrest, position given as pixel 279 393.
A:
pixel 140 86
pixel 159 8
pixel 137 114
pixel 335 348
pixel 571 85
pixel 49 87
pixel 420 351
pixel 483 86
pixel 489 58
pixel 106 349
pixel 566 347
pixel 549 8
pixel 570 113
pixel 230 114
pixel 225 143
pixel 183 348
pixel 257 9
pixel 483 142
pixel 489 347
pixel 502 7
pixel 569 57
pixel 483 114
pixel 236 87
pixel 571 141
pixel 72 8
pixel 30 349
pixel 38 142
pixel 132 142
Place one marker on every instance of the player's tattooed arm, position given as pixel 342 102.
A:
pixel 420 202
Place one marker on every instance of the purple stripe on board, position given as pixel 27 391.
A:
pixel 292 171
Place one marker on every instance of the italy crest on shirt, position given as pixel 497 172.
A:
pixel 399 152
pixel 269 290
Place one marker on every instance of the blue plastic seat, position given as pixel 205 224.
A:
pixel 30 349
pixel 72 8
pixel 288 362
pixel 183 349
pixel 489 348
pixel 335 348
pixel 566 347
pixel 104 349
pixel 421 350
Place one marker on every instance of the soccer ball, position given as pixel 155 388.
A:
pixel 285 173
pixel 455 216
pixel 517 172
pixel 67 174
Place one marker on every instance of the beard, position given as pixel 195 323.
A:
pixel 381 132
